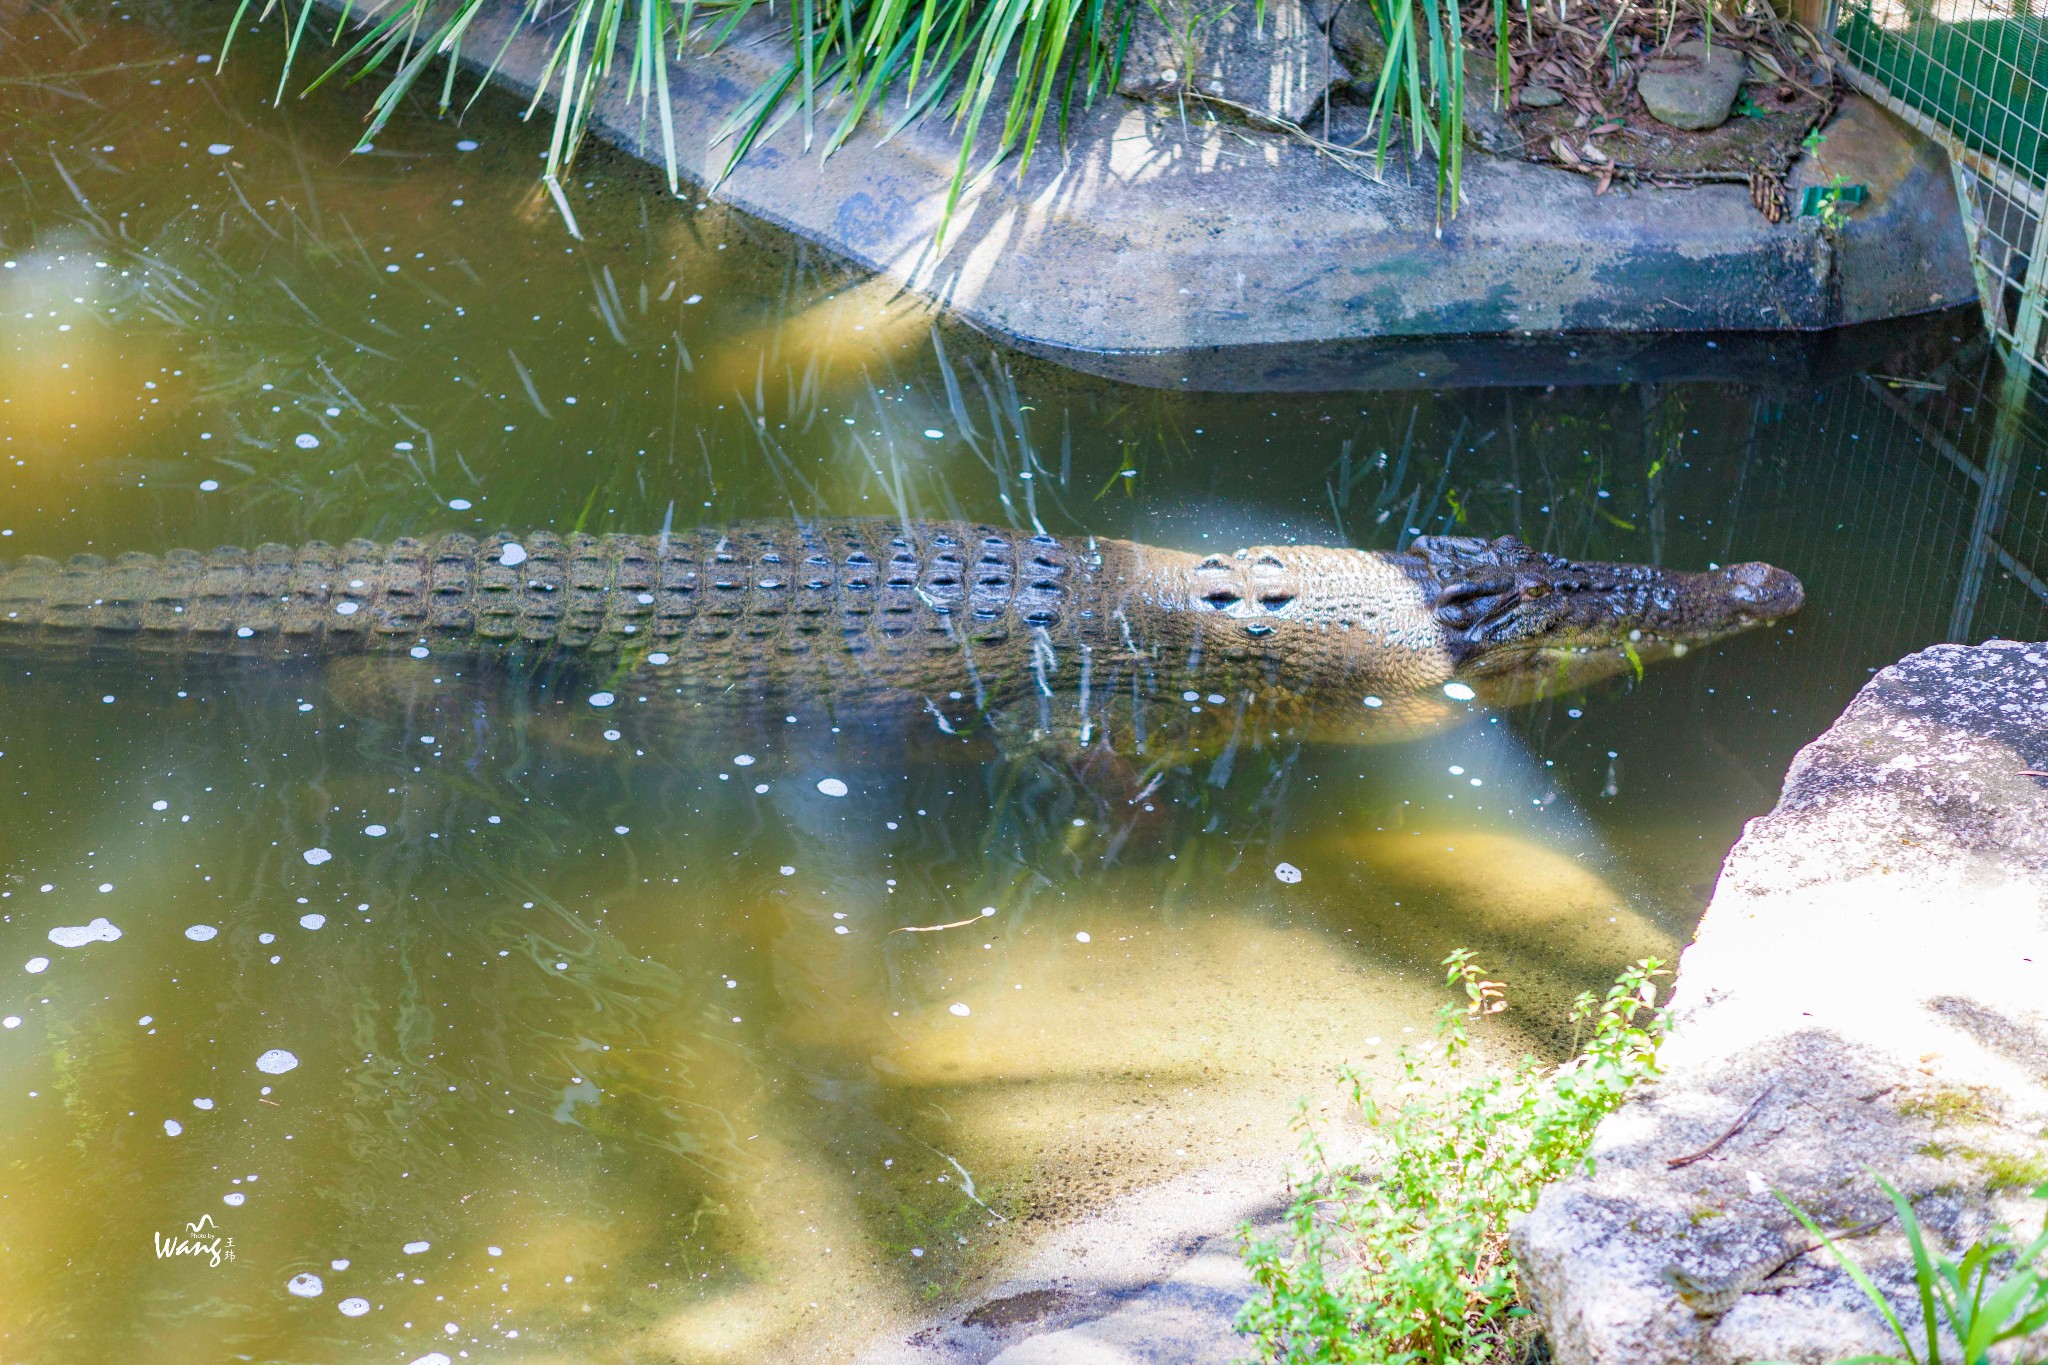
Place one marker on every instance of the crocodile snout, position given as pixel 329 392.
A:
pixel 1762 592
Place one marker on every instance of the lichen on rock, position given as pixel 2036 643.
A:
pixel 1872 978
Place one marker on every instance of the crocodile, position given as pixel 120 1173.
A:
pixel 955 618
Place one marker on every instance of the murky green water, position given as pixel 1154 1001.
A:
pixel 604 1048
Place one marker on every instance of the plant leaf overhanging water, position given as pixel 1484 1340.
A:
pixel 962 58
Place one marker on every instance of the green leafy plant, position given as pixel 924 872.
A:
pixel 1404 1257
pixel 1016 61
pixel 1996 1292
pixel 848 55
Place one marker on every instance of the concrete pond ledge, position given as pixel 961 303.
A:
pixel 1870 986
pixel 1148 234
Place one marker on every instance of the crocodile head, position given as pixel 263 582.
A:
pixel 1520 623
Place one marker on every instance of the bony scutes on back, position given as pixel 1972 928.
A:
pixel 946 609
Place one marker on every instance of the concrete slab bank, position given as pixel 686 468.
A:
pixel 1150 234
pixel 1872 977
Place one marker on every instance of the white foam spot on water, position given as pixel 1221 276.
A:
pixel 105 887
pixel 785 871
pixel 347 608
pixel 415 1248
pixel 613 736
pixel 233 1200
pixel 459 504
pixel 760 787
pixel 451 1329
pixel 276 1062
pixel 306 440
pixel 1457 691
pixel 957 1008
pixel 199 933
pixel 418 651
pixel 35 965
pixel 338 1265
pixel 602 699
pixel 466 145
pixel 78 935
pixel 219 148
pixel 316 856
pixel 313 921
pixel 172 1127
pixel 305 1284
pixel 622 829
pixel 743 760
pixel 375 831
pixel 433 1358
pixel 1374 702
pixel 11 1021
pixel 1081 937
pixel 353 1308
pixel 241 633
pixel 202 1103
pixel 266 938
pixel 657 658
pixel 513 555
pixel 1288 872
pixel 832 786
pixel 209 485
pixel 495 1251
pixel 159 805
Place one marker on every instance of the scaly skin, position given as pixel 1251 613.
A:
pixel 847 611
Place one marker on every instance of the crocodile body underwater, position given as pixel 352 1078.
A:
pixel 954 619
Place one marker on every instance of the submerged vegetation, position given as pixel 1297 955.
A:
pixel 1403 1256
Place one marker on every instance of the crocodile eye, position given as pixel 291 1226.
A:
pixel 1535 591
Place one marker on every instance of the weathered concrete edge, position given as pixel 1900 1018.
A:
pixel 1141 239
pixel 1873 976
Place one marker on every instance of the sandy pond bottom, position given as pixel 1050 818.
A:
pixel 456 1021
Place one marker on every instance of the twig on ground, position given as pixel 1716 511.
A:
pixel 1743 1122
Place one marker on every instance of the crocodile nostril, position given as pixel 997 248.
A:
pixel 1222 599
pixel 1276 601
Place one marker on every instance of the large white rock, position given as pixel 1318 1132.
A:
pixel 1875 964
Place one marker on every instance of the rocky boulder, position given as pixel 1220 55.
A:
pixel 1867 993
pixel 1695 87
pixel 1280 67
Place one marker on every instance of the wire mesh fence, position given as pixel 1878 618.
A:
pixel 1972 74
pixel 1948 470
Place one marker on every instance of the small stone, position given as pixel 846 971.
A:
pixel 1695 87
pixel 1539 97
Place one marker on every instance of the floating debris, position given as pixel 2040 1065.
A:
pixel 78 935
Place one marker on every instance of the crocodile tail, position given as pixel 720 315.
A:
pixel 317 599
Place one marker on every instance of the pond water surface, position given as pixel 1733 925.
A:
pixel 486 1032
